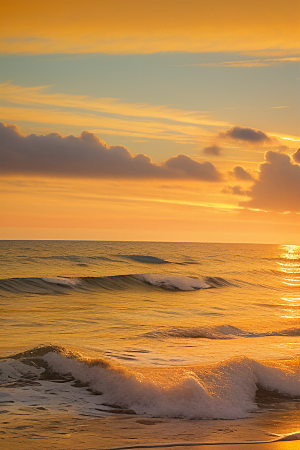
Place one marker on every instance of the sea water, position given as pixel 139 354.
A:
pixel 176 330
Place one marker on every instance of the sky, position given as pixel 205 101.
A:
pixel 150 121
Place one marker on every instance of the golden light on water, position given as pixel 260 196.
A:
pixel 290 251
pixel 290 269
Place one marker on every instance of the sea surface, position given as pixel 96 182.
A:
pixel 168 330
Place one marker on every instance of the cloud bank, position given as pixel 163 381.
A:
pixel 278 185
pixel 88 156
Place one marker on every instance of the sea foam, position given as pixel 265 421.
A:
pixel 225 390
pixel 173 282
pixel 70 282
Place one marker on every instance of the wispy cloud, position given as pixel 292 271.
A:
pixel 235 190
pixel 279 107
pixel 262 62
pixel 106 114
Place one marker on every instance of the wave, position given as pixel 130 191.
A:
pixel 227 390
pixel 217 332
pixel 145 259
pixel 173 282
pixel 61 285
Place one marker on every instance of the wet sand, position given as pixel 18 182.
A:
pixel 35 427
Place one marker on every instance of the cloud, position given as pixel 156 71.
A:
pixel 40 95
pixel 205 171
pixel 241 174
pixel 213 150
pixel 263 62
pixel 278 185
pixel 139 120
pixel 89 156
pixel 245 134
pixel 296 156
pixel 235 190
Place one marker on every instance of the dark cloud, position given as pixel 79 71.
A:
pixel 89 156
pixel 214 150
pixel 278 185
pixel 205 171
pixel 235 190
pixel 245 134
pixel 296 156
pixel 240 174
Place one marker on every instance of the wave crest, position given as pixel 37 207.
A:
pixel 60 285
pixel 221 391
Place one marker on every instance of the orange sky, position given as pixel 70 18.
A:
pixel 162 120
pixel 145 27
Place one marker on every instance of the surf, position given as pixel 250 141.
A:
pixel 61 285
pixel 225 390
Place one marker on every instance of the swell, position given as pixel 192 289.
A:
pixel 61 285
pixel 217 332
pixel 146 259
pixel 227 390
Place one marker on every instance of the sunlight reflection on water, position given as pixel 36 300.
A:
pixel 291 279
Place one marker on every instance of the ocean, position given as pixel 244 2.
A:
pixel 181 332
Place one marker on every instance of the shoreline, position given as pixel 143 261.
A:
pixel 35 427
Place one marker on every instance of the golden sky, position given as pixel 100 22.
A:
pixel 134 26
pixel 161 120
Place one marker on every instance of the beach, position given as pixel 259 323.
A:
pixel 33 428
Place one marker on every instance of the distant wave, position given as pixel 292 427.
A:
pixel 218 332
pixel 61 285
pixel 225 390
pixel 119 258
pixel 145 259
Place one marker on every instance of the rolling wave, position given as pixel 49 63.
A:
pixel 226 390
pixel 217 332
pixel 95 259
pixel 61 285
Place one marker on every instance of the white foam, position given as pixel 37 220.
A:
pixel 13 370
pixel 286 381
pixel 173 281
pixel 223 391
pixel 72 282
pixel 289 437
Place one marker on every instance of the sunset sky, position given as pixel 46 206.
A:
pixel 146 120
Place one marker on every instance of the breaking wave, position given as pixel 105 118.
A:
pixel 61 285
pixel 227 390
